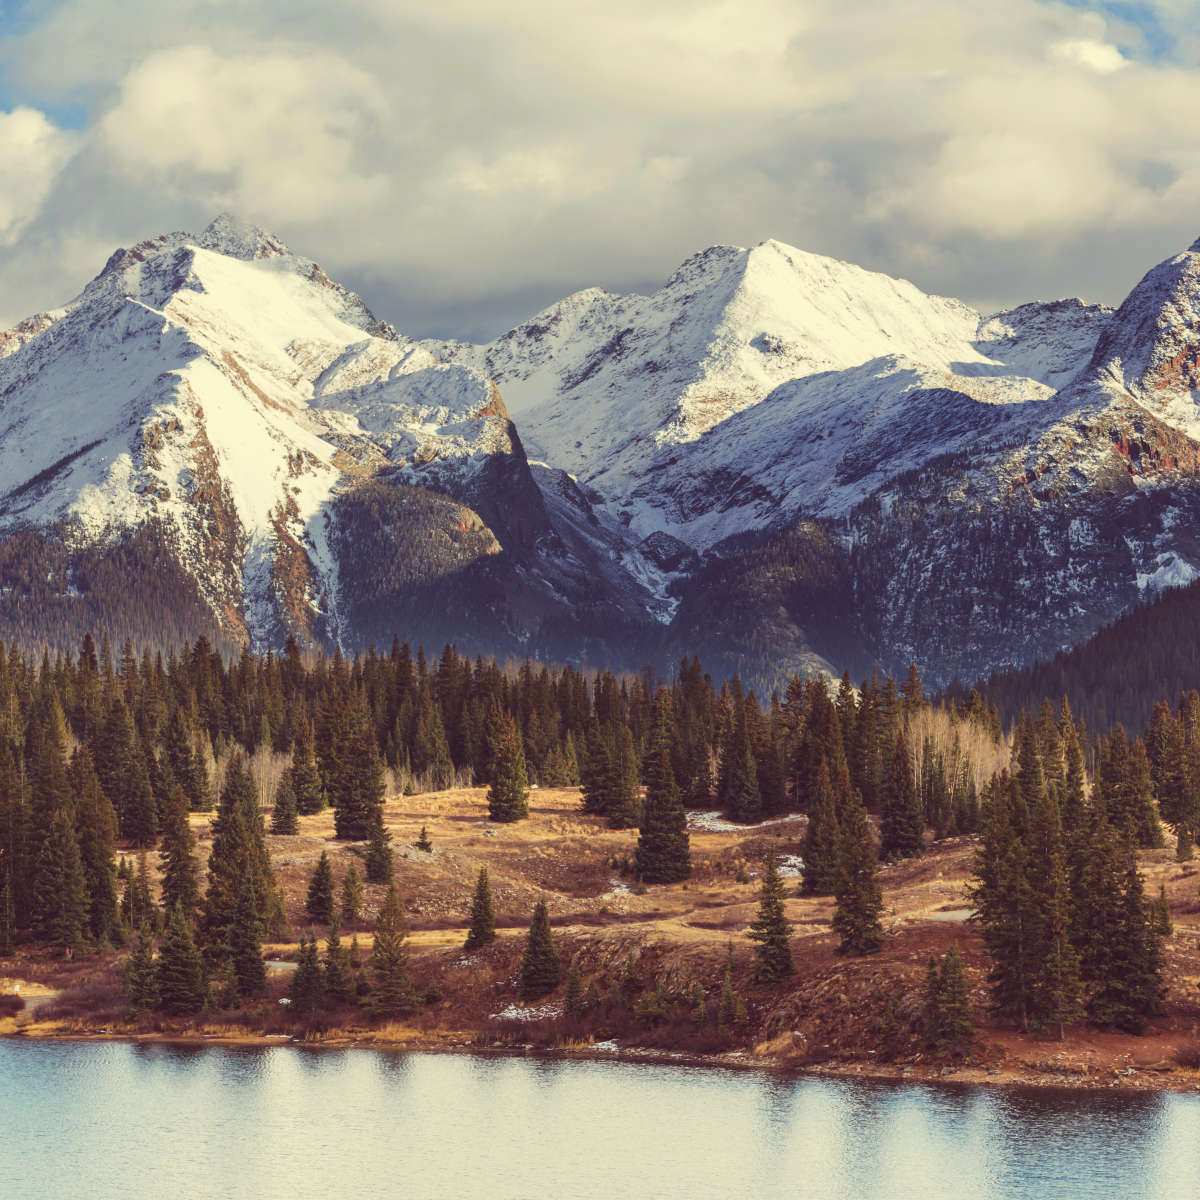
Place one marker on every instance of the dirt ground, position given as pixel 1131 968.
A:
pixel 844 1016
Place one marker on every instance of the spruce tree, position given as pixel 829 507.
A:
pixel 859 900
pixel 738 792
pixel 307 989
pixel 60 900
pixel 949 1028
pixel 141 975
pixel 770 928
pixel 902 823
pixel 338 984
pixel 245 941
pixel 319 903
pixel 181 986
pixel 392 991
pixel 624 806
pixel 541 969
pixel 507 796
pixel 423 843
pixel 352 897
pixel 96 825
pixel 822 838
pixel 379 852
pixel 482 931
pixel 574 1005
pixel 284 819
pixel 177 851
pixel 303 776
pixel 663 848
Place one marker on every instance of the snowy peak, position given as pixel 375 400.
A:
pixel 239 239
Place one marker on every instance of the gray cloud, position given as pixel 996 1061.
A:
pixel 463 163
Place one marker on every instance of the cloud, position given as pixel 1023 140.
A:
pixel 32 152
pixel 463 163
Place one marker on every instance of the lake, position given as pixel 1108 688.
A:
pixel 108 1119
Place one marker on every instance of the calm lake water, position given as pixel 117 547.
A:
pixel 103 1120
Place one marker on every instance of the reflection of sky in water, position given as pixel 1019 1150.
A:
pixel 141 1122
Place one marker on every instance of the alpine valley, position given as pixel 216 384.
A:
pixel 778 461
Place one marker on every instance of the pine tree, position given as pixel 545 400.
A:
pixel 770 928
pixel 663 849
pixel 319 903
pixel 574 1004
pixel 423 843
pixel 245 941
pixel 859 900
pixel 96 825
pixel 307 990
pixel 822 838
pixel 356 784
pixel 541 969
pixel 731 1011
pixel 738 791
pixel 138 909
pixel 284 818
pixel 392 990
pixel 179 883
pixel 379 853
pixel 338 984
pixel 624 806
pixel 60 901
pixel 949 1029
pixel 352 897
pixel 303 776
pixel 181 986
pixel 508 794
pixel 902 825
pixel 482 931
pixel 141 975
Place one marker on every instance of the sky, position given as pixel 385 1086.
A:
pixel 463 163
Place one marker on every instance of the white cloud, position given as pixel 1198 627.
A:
pixel 465 161
pixel 32 152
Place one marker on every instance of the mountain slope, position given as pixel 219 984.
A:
pixel 225 394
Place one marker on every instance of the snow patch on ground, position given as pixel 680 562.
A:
pixel 1172 571
pixel 715 822
pixel 519 1012
pixel 790 866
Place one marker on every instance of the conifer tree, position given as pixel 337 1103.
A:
pixel 541 969
pixel 508 794
pixel 859 900
pixel 338 984
pixel 822 838
pixel 179 882
pixel 624 806
pixel 392 991
pixel 245 941
pixel 307 990
pixel 948 1025
pixel 738 791
pixel 356 784
pixel 181 986
pixel 770 928
pixel 379 852
pixel 96 825
pixel 574 1005
pixel 60 901
pixel 138 909
pixel 731 1011
pixel 284 818
pixel 482 931
pixel 303 776
pixel 352 897
pixel 319 903
pixel 423 843
pixel 901 826
pixel 141 975
pixel 663 849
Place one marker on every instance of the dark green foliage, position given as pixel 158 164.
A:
pixel 355 772
pixel 138 909
pixel 574 1004
pixel 339 986
pixel 303 776
pixel 737 787
pixel 352 897
pixel 770 928
pixel 60 901
pixel 181 985
pixel 245 941
pixel 141 975
pixel 423 843
pixel 179 883
pixel 392 991
pixel 319 902
pixel 731 1011
pixel 482 931
pixel 307 989
pixel 902 824
pixel 379 853
pixel 508 794
pixel 96 827
pixel 859 900
pixel 284 818
pixel 663 849
pixel 822 838
pixel 541 969
pixel 948 1025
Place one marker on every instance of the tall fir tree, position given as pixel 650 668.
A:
pixel 858 899
pixel 181 985
pixel 482 930
pixel 902 822
pixel 770 928
pixel 180 884
pixel 319 902
pixel 822 837
pixel 663 849
pixel 541 968
pixel 393 993
pixel 60 900
pixel 507 797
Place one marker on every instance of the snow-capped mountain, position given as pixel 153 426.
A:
pixel 224 397
pixel 777 460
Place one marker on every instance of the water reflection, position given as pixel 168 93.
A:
pixel 236 1123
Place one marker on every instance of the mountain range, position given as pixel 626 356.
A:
pixel 777 461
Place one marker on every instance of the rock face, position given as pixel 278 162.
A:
pixel 215 409
pixel 778 461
